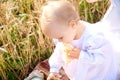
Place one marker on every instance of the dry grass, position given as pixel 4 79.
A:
pixel 22 44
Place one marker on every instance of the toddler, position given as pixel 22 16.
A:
pixel 90 57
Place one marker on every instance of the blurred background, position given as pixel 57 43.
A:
pixel 22 44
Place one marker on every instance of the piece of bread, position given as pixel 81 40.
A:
pixel 67 49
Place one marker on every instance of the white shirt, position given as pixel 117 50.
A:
pixel 96 60
pixel 112 17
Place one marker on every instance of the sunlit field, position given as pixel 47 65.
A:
pixel 22 44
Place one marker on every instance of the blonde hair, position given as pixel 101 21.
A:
pixel 58 11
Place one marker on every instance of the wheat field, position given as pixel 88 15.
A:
pixel 22 44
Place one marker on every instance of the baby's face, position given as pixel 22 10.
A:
pixel 62 33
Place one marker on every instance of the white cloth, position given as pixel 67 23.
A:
pixel 112 19
pixel 96 60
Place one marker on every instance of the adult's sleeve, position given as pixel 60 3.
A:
pixel 96 51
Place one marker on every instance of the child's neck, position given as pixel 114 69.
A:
pixel 80 29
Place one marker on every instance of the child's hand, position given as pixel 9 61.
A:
pixel 54 76
pixel 74 54
pixel 70 52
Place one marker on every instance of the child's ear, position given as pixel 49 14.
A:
pixel 72 23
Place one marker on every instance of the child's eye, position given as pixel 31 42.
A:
pixel 61 38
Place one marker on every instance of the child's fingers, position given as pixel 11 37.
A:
pixel 51 76
pixel 48 78
pixel 70 56
pixel 54 76
pixel 58 76
pixel 75 49
pixel 74 53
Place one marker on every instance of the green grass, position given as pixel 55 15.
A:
pixel 22 44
